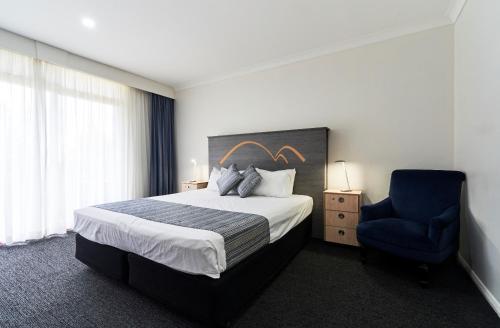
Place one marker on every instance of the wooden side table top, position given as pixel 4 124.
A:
pixel 193 185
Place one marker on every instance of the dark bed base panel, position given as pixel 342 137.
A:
pixel 217 301
pixel 213 301
pixel 105 259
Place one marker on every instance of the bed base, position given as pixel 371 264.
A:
pixel 106 259
pixel 216 302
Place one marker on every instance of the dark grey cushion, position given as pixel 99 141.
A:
pixel 232 191
pixel 251 179
pixel 229 179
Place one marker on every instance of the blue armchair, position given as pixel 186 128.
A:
pixel 420 220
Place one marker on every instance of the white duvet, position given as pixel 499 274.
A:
pixel 188 250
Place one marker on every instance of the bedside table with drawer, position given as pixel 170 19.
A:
pixel 341 216
pixel 193 185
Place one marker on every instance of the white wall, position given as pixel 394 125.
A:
pixel 389 105
pixel 477 137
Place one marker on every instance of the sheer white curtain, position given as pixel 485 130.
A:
pixel 67 140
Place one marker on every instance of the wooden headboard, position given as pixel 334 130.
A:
pixel 305 150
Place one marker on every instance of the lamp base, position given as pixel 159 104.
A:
pixel 346 190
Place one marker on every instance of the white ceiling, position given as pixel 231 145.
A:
pixel 189 42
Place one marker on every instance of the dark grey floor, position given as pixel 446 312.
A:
pixel 42 285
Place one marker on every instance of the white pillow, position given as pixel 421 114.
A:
pixel 212 181
pixel 275 183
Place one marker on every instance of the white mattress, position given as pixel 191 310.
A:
pixel 188 250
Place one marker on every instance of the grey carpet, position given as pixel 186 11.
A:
pixel 42 285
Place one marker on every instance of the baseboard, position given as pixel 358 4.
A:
pixel 495 304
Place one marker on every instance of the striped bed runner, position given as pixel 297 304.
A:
pixel 243 233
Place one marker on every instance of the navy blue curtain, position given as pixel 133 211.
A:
pixel 162 161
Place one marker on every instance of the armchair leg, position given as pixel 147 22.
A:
pixel 424 275
pixel 363 254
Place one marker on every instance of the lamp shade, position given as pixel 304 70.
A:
pixel 345 172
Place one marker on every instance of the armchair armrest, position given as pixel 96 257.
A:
pixel 438 223
pixel 382 209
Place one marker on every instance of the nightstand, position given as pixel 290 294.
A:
pixel 341 216
pixel 193 185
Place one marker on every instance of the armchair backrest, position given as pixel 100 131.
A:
pixel 420 195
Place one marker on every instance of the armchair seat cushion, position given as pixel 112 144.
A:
pixel 397 232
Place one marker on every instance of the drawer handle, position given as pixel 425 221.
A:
pixel 341 215
pixel 341 199
pixel 341 232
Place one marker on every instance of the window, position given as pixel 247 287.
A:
pixel 67 140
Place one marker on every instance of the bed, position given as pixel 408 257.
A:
pixel 193 270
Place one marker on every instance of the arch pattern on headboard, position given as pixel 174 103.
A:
pixel 305 150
